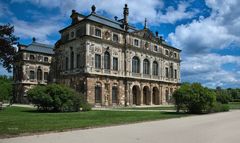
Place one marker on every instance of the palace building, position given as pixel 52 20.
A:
pixel 115 64
pixel 32 68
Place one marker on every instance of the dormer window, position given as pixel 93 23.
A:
pixel 32 57
pixel 98 32
pixel 115 38
pixel 136 42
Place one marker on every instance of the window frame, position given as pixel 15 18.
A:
pixel 97 61
pixel 98 32
pixel 115 63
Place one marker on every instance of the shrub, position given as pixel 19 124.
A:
pixel 86 107
pixel 223 96
pixel 55 97
pixel 194 98
pixel 218 107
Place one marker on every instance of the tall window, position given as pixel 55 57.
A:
pixel 175 74
pixel 106 60
pixel 45 75
pixel 115 63
pixel 39 74
pixel 155 68
pixel 98 93
pixel 114 94
pixel 146 66
pixel 97 61
pixel 72 60
pixel 135 65
pixel 166 52
pixel 32 75
pixel 66 63
pixel 155 48
pixel 136 42
pixel 78 60
pixel 98 32
pixel 171 70
pixel 115 38
pixel 166 72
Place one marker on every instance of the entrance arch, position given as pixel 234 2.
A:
pixel 155 96
pixel 136 95
pixel 146 95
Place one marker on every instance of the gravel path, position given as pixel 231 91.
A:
pixel 213 128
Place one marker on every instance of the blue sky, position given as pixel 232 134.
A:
pixel 207 31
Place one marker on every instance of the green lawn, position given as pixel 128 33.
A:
pixel 18 120
pixel 234 105
pixel 150 108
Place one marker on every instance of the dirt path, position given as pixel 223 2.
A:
pixel 213 128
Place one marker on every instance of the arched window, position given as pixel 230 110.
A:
pixel 155 68
pixel 106 60
pixel 97 61
pixel 39 74
pixel 146 66
pixel 135 65
pixel 98 93
pixel 32 75
pixel 72 60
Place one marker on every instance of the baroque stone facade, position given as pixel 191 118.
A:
pixel 113 63
pixel 32 68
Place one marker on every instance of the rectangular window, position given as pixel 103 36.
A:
pixel 66 63
pixel 175 74
pixel 78 60
pixel 136 42
pixel 115 63
pixel 175 55
pixel 45 75
pixel 115 38
pixel 32 76
pixel 98 32
pixel 155 48
pixel 166 72
pixel 97 61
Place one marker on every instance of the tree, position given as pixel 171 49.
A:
pixel 7 51
pixel 5 88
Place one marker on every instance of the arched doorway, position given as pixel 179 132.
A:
pixel 98 93
pixel 146 95
pixel 136 95
pixel 155 96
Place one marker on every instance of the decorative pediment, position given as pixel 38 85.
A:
pixel 145 33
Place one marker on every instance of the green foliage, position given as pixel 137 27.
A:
pixel 5 88
pixel 194 98
pixel 86 107
pixel 218 107
pixel 223 96
pixel 7 51
pixel 55 97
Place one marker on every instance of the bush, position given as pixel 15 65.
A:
pixel 194 98
pixel 218 107
pixel 86 107
pixel 223 96
pixel 55 97
pixel 5 88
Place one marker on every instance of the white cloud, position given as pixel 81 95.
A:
pixel 40 29
pixel 138 9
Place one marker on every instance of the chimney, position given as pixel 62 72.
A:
pixel 145 23
pixel 33 39
pixel 116 18
pixel 156 34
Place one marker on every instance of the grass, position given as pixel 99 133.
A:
pixel 18 120
pixel 150 108
pixel 234 105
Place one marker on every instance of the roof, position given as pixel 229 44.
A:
pixel 108 22
pixel 40 48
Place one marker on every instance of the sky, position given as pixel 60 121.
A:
pixel 207 31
